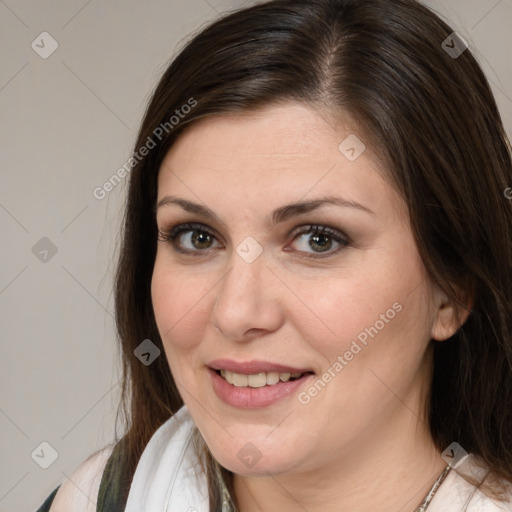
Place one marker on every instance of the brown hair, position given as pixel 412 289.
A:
pixel 432 118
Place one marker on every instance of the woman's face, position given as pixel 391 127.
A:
pixel 248 283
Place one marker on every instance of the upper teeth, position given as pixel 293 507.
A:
pixel 257 380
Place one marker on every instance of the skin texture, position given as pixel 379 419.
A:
pixel 361 443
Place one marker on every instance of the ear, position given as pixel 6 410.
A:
pixel 449 317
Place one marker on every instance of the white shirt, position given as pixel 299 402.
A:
pixel 458 495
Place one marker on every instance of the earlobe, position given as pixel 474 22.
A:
pixel 448 322
pixel 452 315
pixel 444 326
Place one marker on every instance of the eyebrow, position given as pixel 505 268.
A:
pixel 280 214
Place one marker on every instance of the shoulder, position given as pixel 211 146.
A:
pixel 79 492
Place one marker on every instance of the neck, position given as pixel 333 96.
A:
pixel 391 469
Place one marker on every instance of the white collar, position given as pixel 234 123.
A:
pixel 165 479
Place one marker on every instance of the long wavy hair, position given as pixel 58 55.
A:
pixel 431 116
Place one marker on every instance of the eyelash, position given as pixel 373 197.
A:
pixel 171 233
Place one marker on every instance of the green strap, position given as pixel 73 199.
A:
pixel 115 482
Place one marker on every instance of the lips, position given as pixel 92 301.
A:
pixel 248 397
pixel 255 366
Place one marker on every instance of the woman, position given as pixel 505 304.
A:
pixel 312 295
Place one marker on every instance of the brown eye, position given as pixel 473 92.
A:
pixel 202 239
pixel 188 238
pixel 320 239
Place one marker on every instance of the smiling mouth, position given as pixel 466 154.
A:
pixel 259 380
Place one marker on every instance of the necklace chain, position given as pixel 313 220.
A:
pixel 433 490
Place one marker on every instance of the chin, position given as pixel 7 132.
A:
pixel 249 460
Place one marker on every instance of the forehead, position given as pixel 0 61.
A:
pixel 272 133
pixel 287 151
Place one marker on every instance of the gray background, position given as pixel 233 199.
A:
pixel 68 122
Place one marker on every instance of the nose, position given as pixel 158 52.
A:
pixel 248 302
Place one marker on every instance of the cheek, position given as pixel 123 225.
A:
pixel 380 308
pixel 343 310
pixel 180 303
